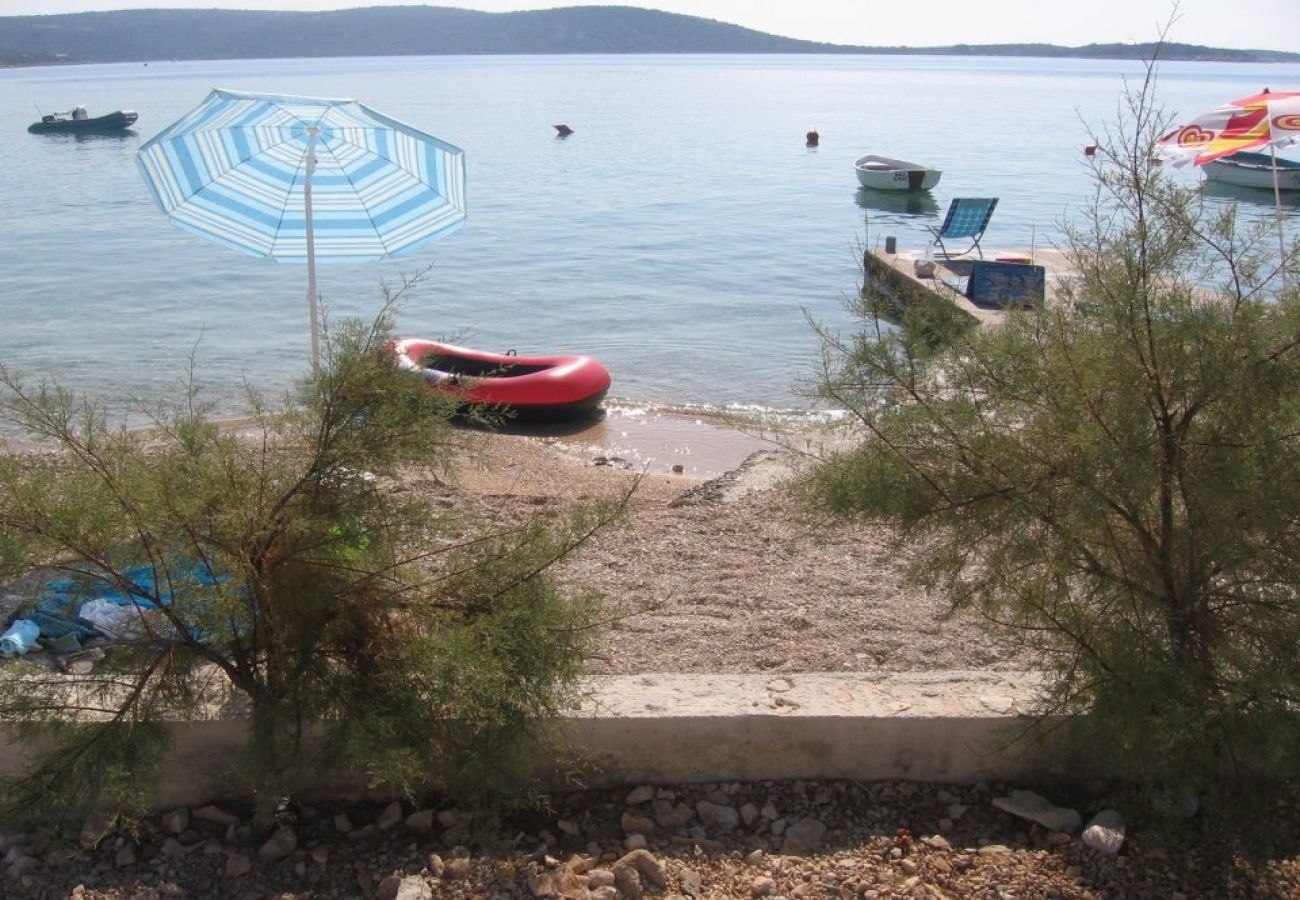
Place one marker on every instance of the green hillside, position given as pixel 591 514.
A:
pixel 149 34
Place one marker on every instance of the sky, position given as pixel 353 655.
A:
pixel 1255 24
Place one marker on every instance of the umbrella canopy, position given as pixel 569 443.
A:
pixel 298 178
pixel 1267 119
pixel 1262 120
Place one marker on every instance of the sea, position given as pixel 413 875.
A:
pixel 684 234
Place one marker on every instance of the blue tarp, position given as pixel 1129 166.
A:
pixel 58 600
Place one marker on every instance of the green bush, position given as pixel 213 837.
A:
pixel 1113 480
pixel 426 648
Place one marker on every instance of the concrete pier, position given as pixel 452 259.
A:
pixel 896 274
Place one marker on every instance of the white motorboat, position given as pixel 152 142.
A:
pixel 885 174
pixel 1254 170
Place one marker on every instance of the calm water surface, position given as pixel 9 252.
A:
pixel 679 235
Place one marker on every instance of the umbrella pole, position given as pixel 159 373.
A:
pixel 1277 208
pixel 313 301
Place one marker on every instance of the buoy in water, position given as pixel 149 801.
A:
pixel 564 130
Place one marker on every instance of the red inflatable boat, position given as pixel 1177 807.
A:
pixel 532 386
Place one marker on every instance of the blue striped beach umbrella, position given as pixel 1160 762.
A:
pixel 303 177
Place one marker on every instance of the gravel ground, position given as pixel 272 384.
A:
pixel 737 579
pixel 787 840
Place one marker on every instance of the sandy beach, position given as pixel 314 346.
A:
pixel 717 568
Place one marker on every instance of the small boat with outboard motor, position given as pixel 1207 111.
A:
pixel 1254 170
pixel 532 387
pixel 887 174
pixel 78 121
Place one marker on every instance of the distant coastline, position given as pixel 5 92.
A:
pixel 146 35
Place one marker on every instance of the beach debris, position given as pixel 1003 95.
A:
pixel 812 138
pixel 1035 808
pixel 563 131
pixel 20 638
pixel 1105 833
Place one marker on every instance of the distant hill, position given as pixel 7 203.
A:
pixel 149 34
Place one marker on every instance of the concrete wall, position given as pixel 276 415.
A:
pixel 657 728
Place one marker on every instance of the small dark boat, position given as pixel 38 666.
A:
pixel 534 387
pixel 72 123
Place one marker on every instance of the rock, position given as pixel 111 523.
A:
pixel 638 795
pixel 633 823
pixel 715 815
pixel 364 833
pixel 691 882
pixel 387 887
pixel 938 842
pixel 609 892
pixel 754 858
pixel 769 813
pixel 320 855
pixel 804 836
pixel 19 866
pixel 97 827
pixel 421 821
pixel 342 824
pixel 448 818
pixel 458 868
pixel 635 842
pixel 670 816
pixel 413 887
pixel 645 863
pixel 762 886
pixel 124 857
pixel 279 845
pixel 627 881
pixel 995 850
pixel 749 814
pixel 1030 806
pixel 390 818
pixel 216 815
pixel 1105 833
pixel 558 883
pixel 597 878
pixel 436 866
pixel 998 703
pixel 176 821
pixel 568 826
pixel 238 865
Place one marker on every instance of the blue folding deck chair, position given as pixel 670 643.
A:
pixel 967 218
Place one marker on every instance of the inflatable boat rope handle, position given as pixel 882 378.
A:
pixel 511 352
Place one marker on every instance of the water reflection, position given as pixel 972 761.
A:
pixel 87 137
pixel 904 203
pixel 1219 191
